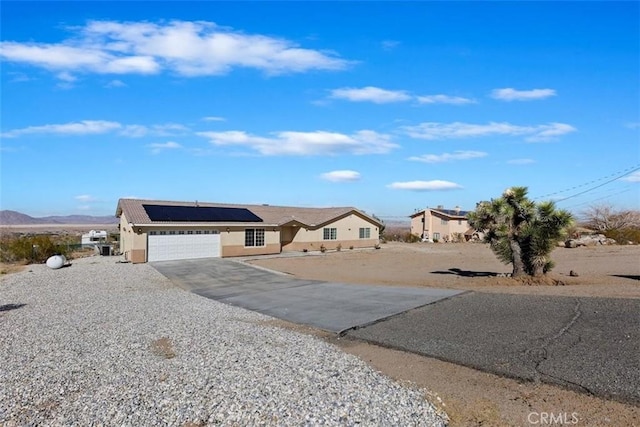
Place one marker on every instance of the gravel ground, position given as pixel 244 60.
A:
pixel 107 343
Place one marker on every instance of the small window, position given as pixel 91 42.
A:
pixel 207 231
pixel 172 232
pixel 181 232
pixel 189 231
pixel 444 221
pixel 365 233
pixel 254 237
pixel 163 233
pixel 153 233
pixel 329 233
pixel 198 231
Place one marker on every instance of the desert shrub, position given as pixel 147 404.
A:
pixel 29 248
pixel 624 236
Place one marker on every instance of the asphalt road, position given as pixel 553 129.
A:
pixel 587 344
pixel 334 307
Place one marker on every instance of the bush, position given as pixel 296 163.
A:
pixel 35 249
pixel 624 236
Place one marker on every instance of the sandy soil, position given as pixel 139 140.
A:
pixel 471 397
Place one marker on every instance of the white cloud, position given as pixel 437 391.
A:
pixel 633 125
pixel 85 198
pixel 214 119
pixel 341 176
pixel 159 147
pixel 116 83
pixel 370 94
pixel 167 129
pixel 435 185
pixel 634 177
pixel 389 44
pixel 84 127
pixel 305 143
pixel 65 76
pixel 520 161
pixel 457 130
pixel 444 99
pixel 510 94
pixel 448 157
pixel 187 48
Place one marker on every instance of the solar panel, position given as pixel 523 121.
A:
pixel 199 214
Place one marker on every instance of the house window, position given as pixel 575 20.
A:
pixel 365 233
pixel 444 221
pixel 254 237
pixel 207 231
pixel 153 233
pixel 189 231
pixel 181 232
pixel 172 232
pixel 198 231
pixel 329 233
pixel 436 237
pixel 163 233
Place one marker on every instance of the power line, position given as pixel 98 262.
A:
pixel 616 175
pixel 600 198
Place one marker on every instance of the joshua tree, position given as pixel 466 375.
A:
pixel 520 232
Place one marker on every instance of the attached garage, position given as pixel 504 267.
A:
pixel 172 245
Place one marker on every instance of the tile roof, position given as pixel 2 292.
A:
pixel 271 215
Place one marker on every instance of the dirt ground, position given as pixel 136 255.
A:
pixel 471 397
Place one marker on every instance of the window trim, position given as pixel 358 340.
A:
pixel 257 237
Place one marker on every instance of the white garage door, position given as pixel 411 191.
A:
pixel 165 247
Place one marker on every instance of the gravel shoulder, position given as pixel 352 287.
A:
pixel 118 344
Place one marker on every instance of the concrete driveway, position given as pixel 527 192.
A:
pixel 334 307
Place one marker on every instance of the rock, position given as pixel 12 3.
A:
pixel 573 274
pixel 589 240
pixel 56 261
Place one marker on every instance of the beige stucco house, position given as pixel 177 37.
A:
pixel 153 230
pixel 439 224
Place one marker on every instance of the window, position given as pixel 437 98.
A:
pixel 162 233
pixel 207 231
pixel 172 232
pixel 444 221
pixel 459 222
pixel 189 231
pixel 254 237
pixel 153 233
pixel 365 233
pixel 198 231
pixel 436 237
pixel 329 233
pixel 181 232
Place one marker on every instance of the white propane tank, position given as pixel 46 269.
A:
pixel 56 261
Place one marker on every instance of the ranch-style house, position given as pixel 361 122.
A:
pixel 153 230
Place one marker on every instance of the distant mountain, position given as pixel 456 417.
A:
pixel 17 218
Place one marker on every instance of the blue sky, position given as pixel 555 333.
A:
pixel 386 106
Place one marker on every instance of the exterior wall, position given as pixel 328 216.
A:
pixel 133 244
pixel 347 235
pixel 133 240
pixel 232 242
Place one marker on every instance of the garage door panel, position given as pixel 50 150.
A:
pixel 183 246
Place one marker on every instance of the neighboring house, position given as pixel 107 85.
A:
pixel 439 224
pixel 94 237
pixel 152 230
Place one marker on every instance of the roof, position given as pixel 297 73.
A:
pixel 136 213
pixel 450 213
